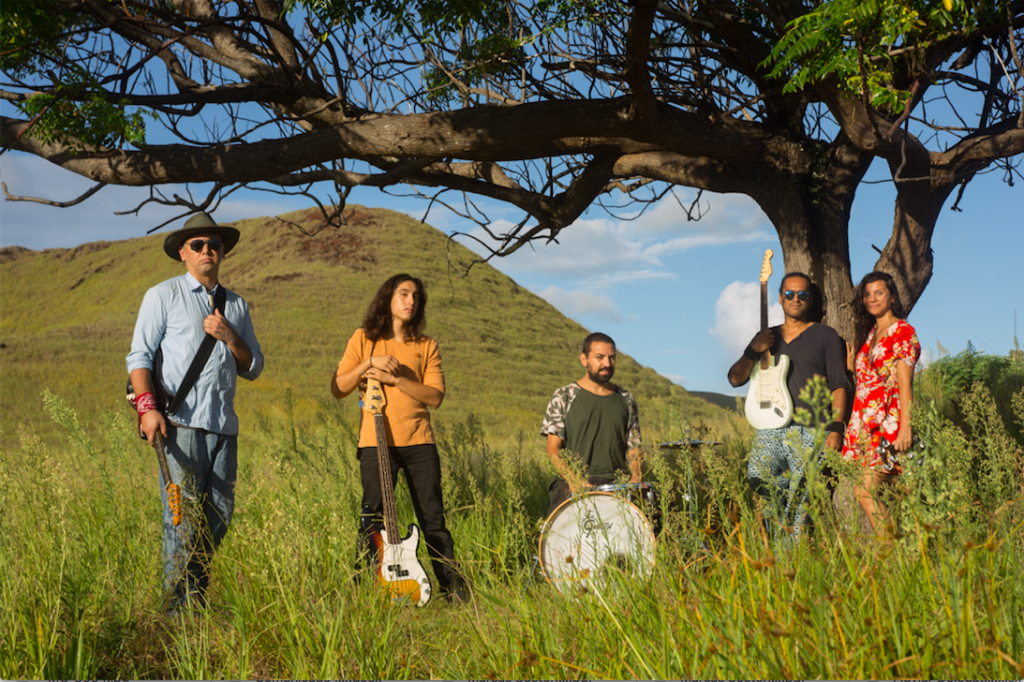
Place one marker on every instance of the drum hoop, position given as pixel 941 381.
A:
pixel 547 523
pixel 616 487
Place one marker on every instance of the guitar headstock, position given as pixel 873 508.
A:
pixel 374 400
pixel 766 266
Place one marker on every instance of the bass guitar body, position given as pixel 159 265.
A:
pixel 769 405
pixel 397 569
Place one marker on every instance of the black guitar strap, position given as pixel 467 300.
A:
pixel 199 361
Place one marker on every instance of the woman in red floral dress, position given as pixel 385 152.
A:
pixel 888 350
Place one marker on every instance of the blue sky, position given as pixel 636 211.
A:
pixel 679 296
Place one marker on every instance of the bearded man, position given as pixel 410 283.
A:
pixel 593 424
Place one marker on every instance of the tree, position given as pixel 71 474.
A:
pixel 550 105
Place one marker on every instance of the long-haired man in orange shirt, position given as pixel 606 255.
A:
pixel 391 348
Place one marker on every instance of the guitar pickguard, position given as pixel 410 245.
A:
pixel 769 405
pixel 398 569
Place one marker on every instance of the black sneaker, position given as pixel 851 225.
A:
pixel 457 595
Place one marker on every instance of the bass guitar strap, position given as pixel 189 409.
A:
pixel 199 361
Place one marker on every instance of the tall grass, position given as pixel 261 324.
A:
pixel 79 567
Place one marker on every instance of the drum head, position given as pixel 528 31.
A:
pixel 587 535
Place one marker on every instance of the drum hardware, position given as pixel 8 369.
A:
pixel 692 444
pixel 643 495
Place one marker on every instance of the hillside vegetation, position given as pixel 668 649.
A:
pixel 67 318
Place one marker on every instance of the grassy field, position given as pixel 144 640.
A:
pixel 941 597
pixel 79 567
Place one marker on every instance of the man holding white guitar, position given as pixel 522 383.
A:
pixel 803 349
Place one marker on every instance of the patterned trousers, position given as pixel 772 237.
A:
pixel 776 471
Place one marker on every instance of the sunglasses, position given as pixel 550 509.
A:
pixel 802 295
pixel 215 244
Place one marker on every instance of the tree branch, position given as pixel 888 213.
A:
pixel 58 204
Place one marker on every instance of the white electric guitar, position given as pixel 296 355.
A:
pixel 398 569
pixel 769 405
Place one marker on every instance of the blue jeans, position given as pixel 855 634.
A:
pixel 205 466
pixel 775 471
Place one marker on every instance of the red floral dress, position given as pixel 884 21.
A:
pixel 876 406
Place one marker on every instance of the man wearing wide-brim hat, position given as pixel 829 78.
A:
pixel 197 225
pixel 201 435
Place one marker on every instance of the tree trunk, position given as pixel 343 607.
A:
pixel 811 213
pixel 908 254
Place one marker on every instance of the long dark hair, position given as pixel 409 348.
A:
pixel 863 320
pixel 378 321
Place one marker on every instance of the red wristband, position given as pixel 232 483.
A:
pixel 144 403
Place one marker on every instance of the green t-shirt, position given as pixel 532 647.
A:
pixel 600 430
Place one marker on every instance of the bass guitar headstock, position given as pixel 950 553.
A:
pixel 374 400
pixel 766 266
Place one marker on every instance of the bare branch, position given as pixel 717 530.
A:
pixel 59 204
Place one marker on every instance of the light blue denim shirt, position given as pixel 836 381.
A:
pixel 171 317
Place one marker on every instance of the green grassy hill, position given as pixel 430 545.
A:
pixel 67 315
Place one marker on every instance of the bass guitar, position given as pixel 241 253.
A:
pixel 173 489
pixel 769 405
pixel 397 568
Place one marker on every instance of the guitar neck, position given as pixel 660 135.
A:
pixel 387 490
pixel 765 362
pixel 764 305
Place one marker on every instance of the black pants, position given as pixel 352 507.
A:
pixel 558 490
pixel 422 468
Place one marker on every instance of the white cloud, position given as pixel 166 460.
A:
pixel 594 256
pixel 705 239
pixel 584 248
pixel 37 226
pixel 728 219
pixel 731 217
pixel 607 251
pixel 576 302
pixel 612 278
pixel 738 316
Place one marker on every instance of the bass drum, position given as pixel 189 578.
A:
pixel 590 533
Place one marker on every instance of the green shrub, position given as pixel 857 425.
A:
pixel 945 383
